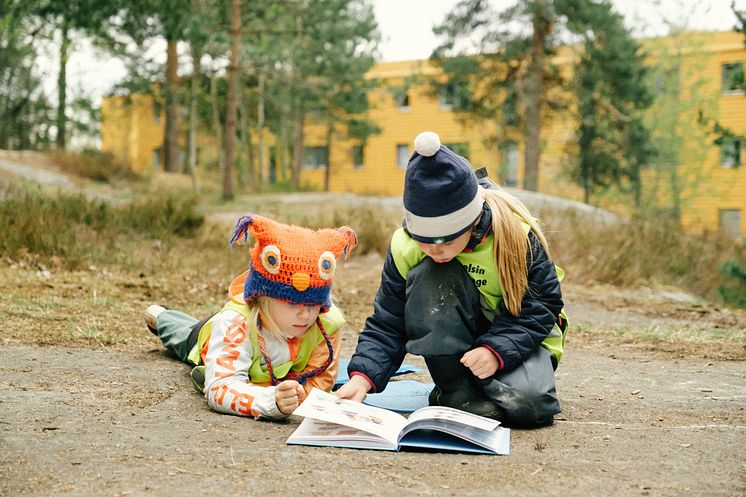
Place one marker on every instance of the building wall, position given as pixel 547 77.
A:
pixel 722 187
pixel 131 131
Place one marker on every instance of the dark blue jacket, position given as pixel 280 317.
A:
pixel 381 345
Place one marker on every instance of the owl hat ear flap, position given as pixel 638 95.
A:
pixel 351 238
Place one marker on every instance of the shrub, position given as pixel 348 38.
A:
pixel 93 164
pixel 74 228
pixel 733 288
pixel 637 252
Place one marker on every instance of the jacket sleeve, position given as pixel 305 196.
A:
pixel 228 388
pixel 513 339
pixel 380 348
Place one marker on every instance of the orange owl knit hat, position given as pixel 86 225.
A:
pixel 292 263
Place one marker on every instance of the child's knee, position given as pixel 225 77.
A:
pixel 530 411
pixel 527 407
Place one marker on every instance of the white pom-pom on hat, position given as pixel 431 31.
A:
pixel 427 143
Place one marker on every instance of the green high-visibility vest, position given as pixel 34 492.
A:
pixel 481 267
pixel 332 321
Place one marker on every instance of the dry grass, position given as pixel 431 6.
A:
pixel 71 230
pixel 93 164
pixel 640 253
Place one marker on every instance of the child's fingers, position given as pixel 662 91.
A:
pixel 288 385
pixel 468 359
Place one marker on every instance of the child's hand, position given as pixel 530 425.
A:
pixel 481 361
pixel 288 395
pixel 355 389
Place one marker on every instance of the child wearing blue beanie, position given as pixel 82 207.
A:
pixel 467 284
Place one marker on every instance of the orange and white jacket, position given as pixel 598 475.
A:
pixel 236 378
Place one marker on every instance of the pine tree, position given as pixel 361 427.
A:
pixel 507 83
pixel 610 84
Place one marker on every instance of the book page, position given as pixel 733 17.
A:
pixel 327 407
pixel 455 415
pixel 468 439
pixel 314 432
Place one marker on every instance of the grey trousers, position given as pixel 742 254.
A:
pixel 443 316
pixel 178 332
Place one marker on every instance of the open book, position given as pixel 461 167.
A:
pixel 335 422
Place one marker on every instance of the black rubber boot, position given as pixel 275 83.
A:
pixel 455 387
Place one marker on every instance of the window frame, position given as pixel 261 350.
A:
pixel 312 152
pixel 725 228
pixel 155 157
pixel 358 164
pixel 736 87
pixel 731 159
pixel 399 148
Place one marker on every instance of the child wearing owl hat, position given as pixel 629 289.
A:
pixel 467 284
pixel 278 335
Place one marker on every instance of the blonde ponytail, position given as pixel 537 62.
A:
pixel 511 245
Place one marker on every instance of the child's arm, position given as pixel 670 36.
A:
pixel 227 385
pixel 513 339
pixel 324 381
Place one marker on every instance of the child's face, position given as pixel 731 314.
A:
pixel 445 252
pixel 293 319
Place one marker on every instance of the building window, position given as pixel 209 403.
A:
pixel 400 95
pixel 461 149
pixel 315 157
pixel 730 152
pixel 358 155
pixel 509 163
pixel 452 95
pixel 157 109
pixel 733 81
pixel 730 223
pixel 402 102
pixel 402 155
pixel 156 157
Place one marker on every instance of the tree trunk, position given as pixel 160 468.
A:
pixel 216 124
pixel 534 101
pixel 283 153
pixel 230 116
pixel 298 148
pixel 261 162
pixel 328 170
pixel 171 136
pixel 62 86
pixel 194 90
pixel 298 112
pixel 249 177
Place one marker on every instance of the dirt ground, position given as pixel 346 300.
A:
pixel 653 392
pixel 117 416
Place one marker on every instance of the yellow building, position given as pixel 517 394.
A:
pixel 132 129
pixel 713 177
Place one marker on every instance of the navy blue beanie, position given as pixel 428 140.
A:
pixel 442 197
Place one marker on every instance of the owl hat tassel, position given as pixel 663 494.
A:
pixel 241 229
